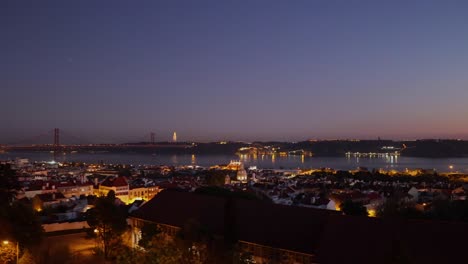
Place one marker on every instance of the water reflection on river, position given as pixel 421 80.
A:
pixel 261 161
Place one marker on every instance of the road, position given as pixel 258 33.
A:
pixel 71 248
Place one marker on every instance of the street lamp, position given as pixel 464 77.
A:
pixel 96 233
pixel 6 242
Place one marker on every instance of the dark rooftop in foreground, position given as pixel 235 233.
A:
pixel 330 236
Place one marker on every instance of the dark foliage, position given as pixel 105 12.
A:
pixel 18 221
pixel 109 221
pixel 148 232
pixel 8 185
pixel 349 207
pixel 216 177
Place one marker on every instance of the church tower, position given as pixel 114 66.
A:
pixel 241 173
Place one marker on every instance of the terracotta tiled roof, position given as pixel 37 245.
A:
pixel 115 182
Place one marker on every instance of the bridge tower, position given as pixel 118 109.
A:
pixel 152 138
pixel 56 137
pixel 56 142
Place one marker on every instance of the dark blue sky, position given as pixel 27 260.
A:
pixel 234 70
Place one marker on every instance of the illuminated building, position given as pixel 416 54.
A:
pixel 119 185
pixel 234 165
pixel 72 189
pixel 174 137
pixel 124 192
pixel 241 174
pixel 142 193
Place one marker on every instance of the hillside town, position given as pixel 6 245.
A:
pixel 63 195
pixel 59 190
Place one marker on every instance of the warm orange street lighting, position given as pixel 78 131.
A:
pixel 6 242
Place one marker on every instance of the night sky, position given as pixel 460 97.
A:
pixel 110 71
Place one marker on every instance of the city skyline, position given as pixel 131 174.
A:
pixel 266 70
pixel 56 136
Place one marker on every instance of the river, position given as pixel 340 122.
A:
pixel 263 162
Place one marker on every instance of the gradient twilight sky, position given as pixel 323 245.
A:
pixel 234 70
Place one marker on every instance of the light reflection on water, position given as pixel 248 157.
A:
pixel 264 161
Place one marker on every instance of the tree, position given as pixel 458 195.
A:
pixel 109 222
pixel 26 226
pixel 27 258
pixel 163 250
pixel 349 207
pixel 7 253
pixel 148 232
pixel 19 224
pixel 18 221
pixel 159 248
pixel 193 240
pixel 9 185
pixel 390 208
pixel 243 258
pixel 396 207
pixel 216 177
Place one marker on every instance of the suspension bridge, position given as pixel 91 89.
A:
pixel 56 137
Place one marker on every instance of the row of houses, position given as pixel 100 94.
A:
pixel 124 191
pixel 51 194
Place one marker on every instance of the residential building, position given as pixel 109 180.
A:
pixel 117 184
pixel 70 189
pixel 142 193
pixel 44 200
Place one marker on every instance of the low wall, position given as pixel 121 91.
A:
pixel 65 226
